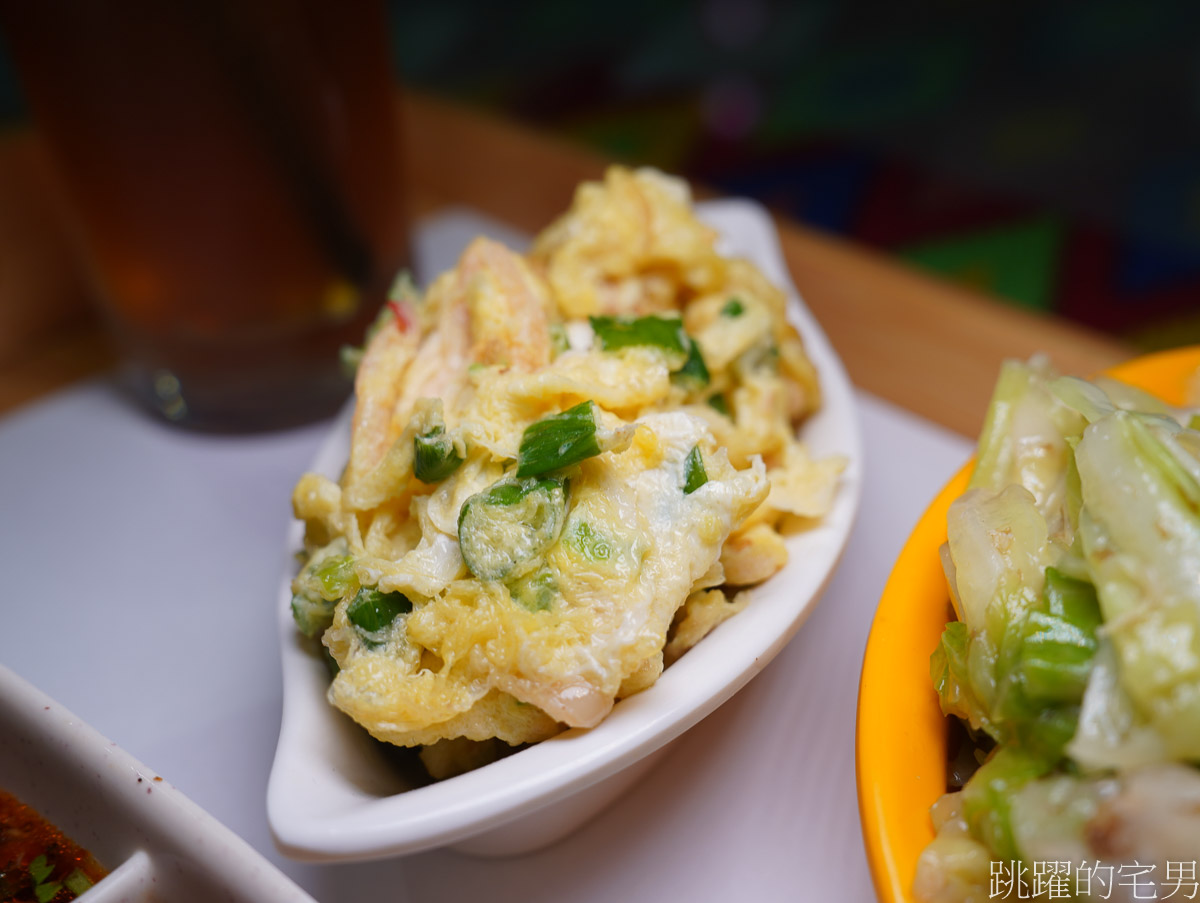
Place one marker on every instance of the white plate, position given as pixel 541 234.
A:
pixel 332 795
pixel 155 843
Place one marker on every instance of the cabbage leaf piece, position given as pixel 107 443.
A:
pixel 1027 440
pixel 1140 534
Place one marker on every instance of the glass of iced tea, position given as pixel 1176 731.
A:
pixel 234 168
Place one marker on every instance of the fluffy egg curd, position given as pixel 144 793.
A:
pixel 565 468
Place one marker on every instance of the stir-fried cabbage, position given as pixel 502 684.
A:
pixel 1074 564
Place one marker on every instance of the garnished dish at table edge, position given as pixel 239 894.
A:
pixel 81 818
pixel 565 469
pixel 37 861
pixel 1072 670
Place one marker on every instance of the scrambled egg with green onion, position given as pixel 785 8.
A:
pixel 565 467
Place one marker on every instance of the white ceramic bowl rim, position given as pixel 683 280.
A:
pixel 322 806
pixel 155 842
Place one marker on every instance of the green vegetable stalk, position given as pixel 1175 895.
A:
pixel 1074 564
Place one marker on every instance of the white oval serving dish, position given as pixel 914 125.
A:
pixel 332 795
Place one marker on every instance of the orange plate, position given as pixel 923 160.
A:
pixel 901 732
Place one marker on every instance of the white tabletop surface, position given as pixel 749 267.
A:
pixel 139 566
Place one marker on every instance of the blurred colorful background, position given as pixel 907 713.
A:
pixel 1046 153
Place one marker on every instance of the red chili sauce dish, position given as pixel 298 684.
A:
pixel 38 863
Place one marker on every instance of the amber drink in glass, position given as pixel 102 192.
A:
pixel 234 168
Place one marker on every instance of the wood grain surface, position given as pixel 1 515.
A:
pixel 921 343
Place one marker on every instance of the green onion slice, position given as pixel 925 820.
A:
pixel 590 542
pixel 694 475
pixel 694 372
pixel 505 530
pixel 77 882
pixel 558 441
pixel 536 591
pixel 40 869
pixel 733 308
pixel 720 405
pixel 558 339
pixel 372 612
pixel 326 578
pixel 434 455
pixel 613 333
pixel 333 575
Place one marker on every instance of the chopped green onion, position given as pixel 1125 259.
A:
pixel 535 592
pixel 694 372
pixel 77 882
pixel 312 615
pixel 506 529
pixel 590 543
pixel 505 494
pixel 334 574
pixel 733 308
pixel 558 441
pixel 40 869
pixel 559 342
pixel 694 475
pixel 372 612
pixel 757 358
pixel 720 405
pixel 326 578
pixel 622 332
pixel 434 455
pixel 613 333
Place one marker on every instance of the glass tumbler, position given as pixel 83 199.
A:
pixel 234 173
